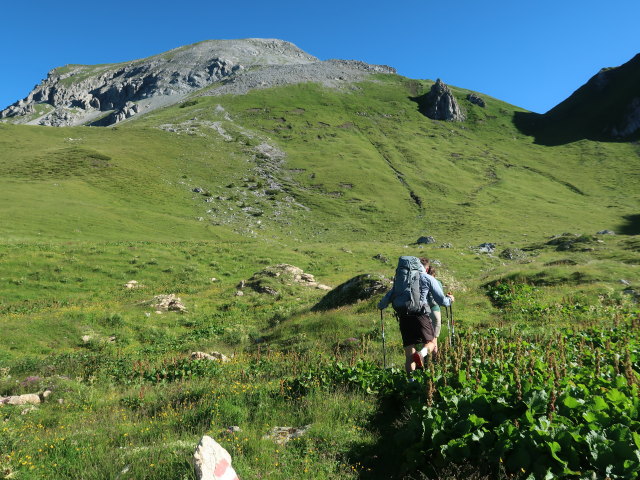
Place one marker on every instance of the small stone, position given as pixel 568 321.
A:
pixel 606 232
pixel 239 293
pixel 624 282
pixel 86 338
pixel 486 247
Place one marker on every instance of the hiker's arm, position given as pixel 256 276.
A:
pixel 384 302
pixel 436 291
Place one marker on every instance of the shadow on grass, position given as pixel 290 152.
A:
pixel 396 454
pixel 632 225
pixel 553 130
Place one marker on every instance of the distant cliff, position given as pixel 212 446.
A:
pixel 607 107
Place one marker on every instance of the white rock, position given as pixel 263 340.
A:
pixel 26 399
pixel 212 462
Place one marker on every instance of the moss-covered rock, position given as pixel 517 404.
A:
pixel 352 291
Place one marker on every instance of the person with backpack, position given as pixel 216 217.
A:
pixel 408 297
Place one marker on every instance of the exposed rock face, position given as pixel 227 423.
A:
pixel 440 104
pixel 103 95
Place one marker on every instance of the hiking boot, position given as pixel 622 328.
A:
pixel 417 359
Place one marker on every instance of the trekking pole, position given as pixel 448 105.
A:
pixel 384 347
pixel 446 309
pixel 453 324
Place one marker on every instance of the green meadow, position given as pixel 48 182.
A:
pixel 540 380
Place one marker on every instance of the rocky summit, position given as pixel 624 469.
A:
pixel 440 104
pixel 102 95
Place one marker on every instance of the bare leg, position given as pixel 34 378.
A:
pixel 436 319
pixel 409 364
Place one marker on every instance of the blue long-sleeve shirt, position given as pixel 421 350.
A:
pixel 430 284
pixel 427 284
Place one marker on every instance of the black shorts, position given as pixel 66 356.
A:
pixel 416 329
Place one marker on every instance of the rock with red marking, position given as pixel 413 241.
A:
pixel 212 461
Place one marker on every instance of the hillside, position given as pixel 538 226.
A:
pixel 212 196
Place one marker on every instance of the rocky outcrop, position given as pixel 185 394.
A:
pixel 440 104
pixel 102 95
pixel 273 280
pixel 476 100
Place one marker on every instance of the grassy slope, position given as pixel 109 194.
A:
pixel 86 209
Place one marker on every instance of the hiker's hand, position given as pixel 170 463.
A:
pixel 451 297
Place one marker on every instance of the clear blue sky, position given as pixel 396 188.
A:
pixel 532 53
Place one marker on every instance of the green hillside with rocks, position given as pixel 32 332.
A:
pixel 264 223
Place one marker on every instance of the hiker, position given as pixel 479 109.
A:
pixel 436 314
pixel 416 327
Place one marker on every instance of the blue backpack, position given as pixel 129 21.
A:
pixel 405 296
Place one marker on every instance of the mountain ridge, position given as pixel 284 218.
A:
pixel 106 94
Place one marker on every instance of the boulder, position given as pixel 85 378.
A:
pixel 212 462
pixel 168 303
pixel 354 290
pixel 440 104
pixel 428 239
pixel 217 356
pixel 26 399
